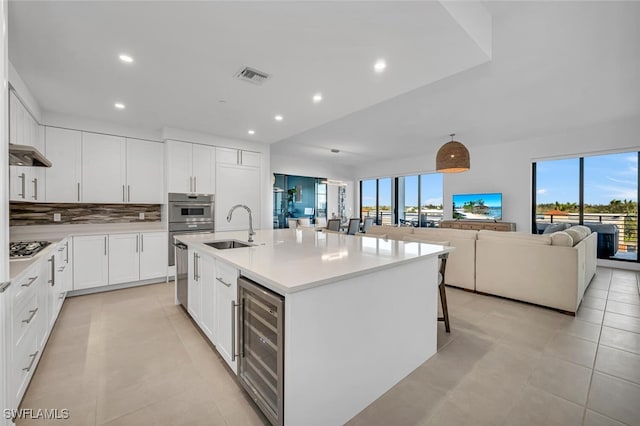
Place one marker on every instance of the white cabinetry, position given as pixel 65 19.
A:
pixel 206 276
pixel 238 156
pixel 145 171
pixel 226 299
pixel 237 184
pixel 100 260
pixel 103 168
pixel 153 255
pixel 90 261
pixel 194 286
pixel 26 183
pixel 64 150
pixel 190 167
pixel 124 259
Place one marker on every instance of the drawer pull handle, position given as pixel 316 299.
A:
pixel 61 296
pixel 4 286
pixel 31 280
pixel 33 359
pixel 33 314
pixel 223 282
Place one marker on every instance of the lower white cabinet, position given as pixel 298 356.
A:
pixel 226 298
pixel 213 302
pixel 124 258
pixel 90 261
pixel 153 255
pixel 101 260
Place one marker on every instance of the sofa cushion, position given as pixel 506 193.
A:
pixel 516 237
pixel 445 234
pixel 555 227
pixel 422 239
pixel 578 233
pixel 561 238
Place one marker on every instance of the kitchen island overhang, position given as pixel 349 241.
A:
pixel 360 313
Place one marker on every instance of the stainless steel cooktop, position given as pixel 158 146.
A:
pixel 26 249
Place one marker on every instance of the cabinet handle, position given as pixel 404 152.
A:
pixel 223 282
pixel 124 199
pixel 4 286
pixel 66 260
pixel 61 296
pixel 53 271
pixel 190 183
pixel 78 191
pixel 33 314
pixel 23 177
pixel 105 245
pixel 241 157
pixel 60 248
pixel 136 244
pixel 33 359
pixel 195 184
pixel 31 280
pixel 141 243
pixel 129 193
pixel 233 330
pixel 238 157
pixel 35 188
pixel 62 268
pixel 195 266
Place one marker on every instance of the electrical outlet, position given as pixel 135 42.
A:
pixel 141 216
pixel 57 217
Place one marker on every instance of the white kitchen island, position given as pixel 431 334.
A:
pixel 360 313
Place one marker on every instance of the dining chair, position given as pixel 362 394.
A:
pixel 333 224
pixel 368 223
pixel 321 222
pixel 292 223
pixel 354 226
pixel 304 221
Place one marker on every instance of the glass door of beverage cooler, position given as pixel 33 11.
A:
pixel 261 365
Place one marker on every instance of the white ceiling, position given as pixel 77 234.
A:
pixel 555 66
pixel 186 54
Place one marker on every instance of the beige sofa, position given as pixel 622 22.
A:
pixel 551 270
pixel 461 262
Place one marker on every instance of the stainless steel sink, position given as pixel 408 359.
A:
pixel 228 244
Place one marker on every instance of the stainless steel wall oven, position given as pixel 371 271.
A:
pixel 189 213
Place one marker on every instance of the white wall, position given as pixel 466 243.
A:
pixel 4 202
pixel 55 119
pixel 24 93
pixel 506 167
pixel 309 167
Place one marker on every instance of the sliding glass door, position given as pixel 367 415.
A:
pixel 600 192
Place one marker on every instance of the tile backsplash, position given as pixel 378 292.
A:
pixel 43 213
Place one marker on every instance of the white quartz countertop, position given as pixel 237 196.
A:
pixel 18 266
pixel 290 260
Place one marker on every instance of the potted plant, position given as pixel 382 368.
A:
pixel 291 194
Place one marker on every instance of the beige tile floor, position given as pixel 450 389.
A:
pixel 130 357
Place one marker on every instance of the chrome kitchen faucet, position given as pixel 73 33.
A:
pixel 251 233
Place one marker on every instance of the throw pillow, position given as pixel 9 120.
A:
pixel 578 233
pixel 561 238
pixel 555 227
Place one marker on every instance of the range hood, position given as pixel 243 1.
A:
pixel 26 155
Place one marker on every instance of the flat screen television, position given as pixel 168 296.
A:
pixel 478 206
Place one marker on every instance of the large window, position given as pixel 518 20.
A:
pixel 599 191
pixel 405 200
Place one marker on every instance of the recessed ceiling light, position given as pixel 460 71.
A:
pixel 252 132
pixel 119 105
pixel 317 97
pixel 126 58
pixel 380 65
pixel 279 118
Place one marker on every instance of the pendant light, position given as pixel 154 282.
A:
pixel 452 157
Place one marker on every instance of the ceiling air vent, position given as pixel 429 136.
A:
pixel 252 75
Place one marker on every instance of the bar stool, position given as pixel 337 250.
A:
pixel 443 296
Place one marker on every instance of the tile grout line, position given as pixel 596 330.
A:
pixel 595 358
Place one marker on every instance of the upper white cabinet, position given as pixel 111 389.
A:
pixel 190 167
pixel 237 184
pixel 103 168
pixel 238 157
pixel 64 150
pixel 26 183
pixel 145 171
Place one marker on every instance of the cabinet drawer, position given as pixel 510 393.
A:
pixel 226 273
pixel 25 316
pixel 26 285
pixel 25 356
